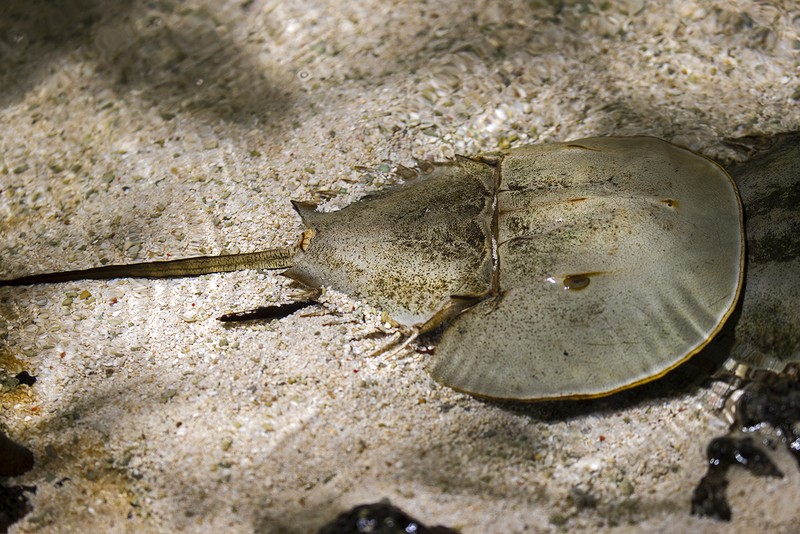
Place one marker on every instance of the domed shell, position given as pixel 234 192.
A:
pixel 618 259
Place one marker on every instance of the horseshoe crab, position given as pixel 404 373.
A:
pixel 563 270
pixel 767 332
pixel 758 389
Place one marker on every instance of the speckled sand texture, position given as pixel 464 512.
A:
pixel 137 130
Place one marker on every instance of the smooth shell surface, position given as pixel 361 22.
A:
pixel 767 332
pixel 590 266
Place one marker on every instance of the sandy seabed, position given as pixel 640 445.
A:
pixel 137 130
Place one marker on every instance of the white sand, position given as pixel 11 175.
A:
pixel 187 128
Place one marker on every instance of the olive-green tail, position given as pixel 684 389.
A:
pixel 278 258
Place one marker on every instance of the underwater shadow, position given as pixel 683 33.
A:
pixel 73 452
pixel 523 436
pixel 175 58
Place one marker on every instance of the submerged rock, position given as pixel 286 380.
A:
pixel 379 518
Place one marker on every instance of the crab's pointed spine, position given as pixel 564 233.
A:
pixel 279 258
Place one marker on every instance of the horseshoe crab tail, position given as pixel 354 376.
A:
pixel 277 258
